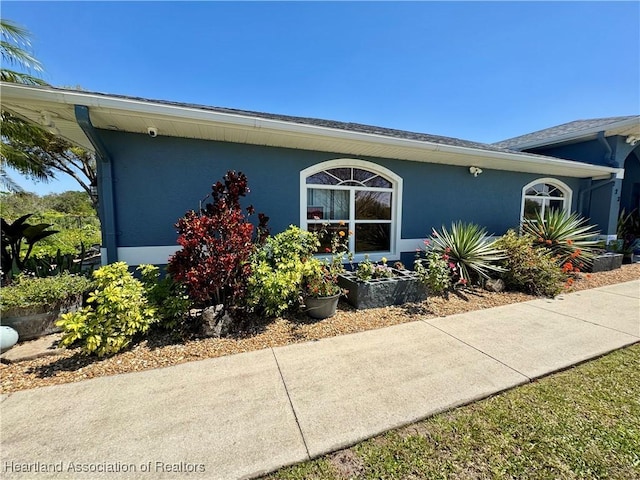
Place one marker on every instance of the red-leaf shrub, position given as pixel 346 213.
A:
pixel 216 244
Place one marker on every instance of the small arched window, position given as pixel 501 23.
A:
pixel 543 195
pixel 352 196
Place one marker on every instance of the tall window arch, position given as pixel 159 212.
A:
pixel 543 195
pixel 353 196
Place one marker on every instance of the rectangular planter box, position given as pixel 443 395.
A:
pixel 403 287
pixel 606 262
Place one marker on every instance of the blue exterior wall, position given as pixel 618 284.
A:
pixel 604 203
pixel 591 151
pixel 630 198
pixel 156 180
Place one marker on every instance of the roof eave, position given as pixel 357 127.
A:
pixel 272 132
pixel 616 128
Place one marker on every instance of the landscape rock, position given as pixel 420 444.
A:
pixel 216 322
pixel 494 285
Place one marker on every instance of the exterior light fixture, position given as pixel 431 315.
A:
pixel 475 171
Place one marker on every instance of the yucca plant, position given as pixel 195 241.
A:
pixel 568 237
pixel 468 246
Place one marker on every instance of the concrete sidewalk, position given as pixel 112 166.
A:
pixel 247 414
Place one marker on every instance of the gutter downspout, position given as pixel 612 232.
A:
pixel 591 189
pixel 594 187
pixel 105 180
pixel 608 157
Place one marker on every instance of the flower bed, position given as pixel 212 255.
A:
pixel 403 287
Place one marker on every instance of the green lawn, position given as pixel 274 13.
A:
pixel 581 423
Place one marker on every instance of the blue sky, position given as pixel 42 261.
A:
pixel 482 71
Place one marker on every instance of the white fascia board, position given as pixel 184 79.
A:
pixel 114 105
pixel 610 129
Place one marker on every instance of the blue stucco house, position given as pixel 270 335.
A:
pixel 158 159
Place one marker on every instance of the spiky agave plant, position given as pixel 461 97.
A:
pixel 568 237
pixel 468 246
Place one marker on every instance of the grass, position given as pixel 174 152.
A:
pixel 580 423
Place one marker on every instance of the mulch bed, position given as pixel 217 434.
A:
pixel 161 349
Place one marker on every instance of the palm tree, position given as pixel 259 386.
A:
pixel 13 42
pixel 25 147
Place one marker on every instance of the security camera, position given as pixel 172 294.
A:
pixel 475 171
pixel 152 131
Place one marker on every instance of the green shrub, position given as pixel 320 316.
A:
pixel 168 297
pixel 117 310
pixel 528 269
pixel 277 270
pixel 568 237
pixel 434 272
pixel 28 292
pixel 68 240
pixel 469 248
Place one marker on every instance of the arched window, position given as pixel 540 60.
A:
pixel 542 195
pixel 356 196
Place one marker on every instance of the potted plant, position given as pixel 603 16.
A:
pixel 321 290
pixel 31 305
pixel 628 234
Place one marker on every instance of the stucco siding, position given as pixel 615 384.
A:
pixel 158 179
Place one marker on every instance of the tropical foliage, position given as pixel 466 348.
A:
pixel 217 244
pixel 13 236
pixel 29 149
pixel 278 269
pixel 117 310
pixel 628 232
pixel 70 213
pixel 168 298
pixel 14 49
pixel 468 247
pixel 568 237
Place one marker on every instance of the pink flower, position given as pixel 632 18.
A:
pixel 427 242
pixel 452 265
pixel 463 281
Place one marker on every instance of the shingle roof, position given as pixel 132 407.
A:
pixel 548 134
pixel 348 126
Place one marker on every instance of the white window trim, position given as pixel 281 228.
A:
pixel 396 198
pixel 568 193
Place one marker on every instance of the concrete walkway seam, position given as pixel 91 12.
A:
pixel 528 379
pixel 581 319
pixel 619 294
pixel 293 409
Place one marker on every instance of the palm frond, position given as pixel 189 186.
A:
pixel 14 51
